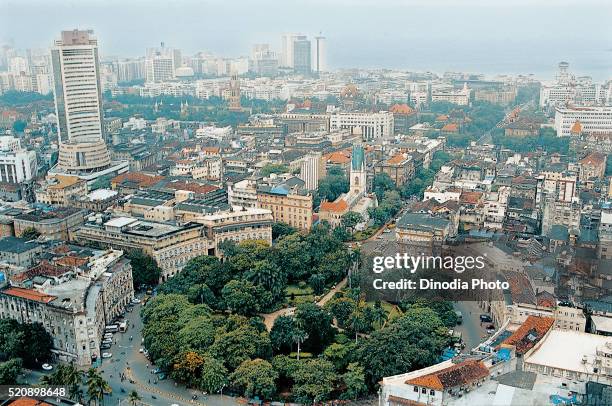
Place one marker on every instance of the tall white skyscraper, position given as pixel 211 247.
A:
pixel 319 61
pixel 161 63
pixel 78 105
pixel 287 41
pixel 310 170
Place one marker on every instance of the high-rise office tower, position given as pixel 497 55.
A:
pixel 319 62
pixel 286 57
pixel 311 171
pixel 302 55
pixel 161 63
pixel 78 105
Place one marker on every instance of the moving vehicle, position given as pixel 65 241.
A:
pixel 135 301
pixel 47 367
pixel 106 355
pixel 123 326
pixel 111 328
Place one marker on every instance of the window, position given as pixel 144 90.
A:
pixel 416 388
pixel 423 390
pixel 432 392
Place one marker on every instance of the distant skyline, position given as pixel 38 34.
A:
pixel 519 36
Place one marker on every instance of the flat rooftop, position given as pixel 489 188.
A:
pixel 565 349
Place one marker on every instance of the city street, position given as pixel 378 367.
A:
pixel 126 359
pixel 472 331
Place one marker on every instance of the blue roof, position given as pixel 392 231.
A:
pixel 280 190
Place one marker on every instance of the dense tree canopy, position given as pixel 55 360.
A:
pixel 29 342
pixel 145 271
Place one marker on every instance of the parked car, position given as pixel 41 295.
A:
pixel 105 346
pixel 141 350
pixel 47 367
pixel 106 355
pixel 135 301
pixel 485 318
pixel 108 335
pixel 161 376
pixel 107 341
pixel 157 370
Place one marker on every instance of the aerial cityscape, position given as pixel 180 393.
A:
pixel 210 224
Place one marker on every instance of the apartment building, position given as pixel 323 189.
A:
pixel 289 204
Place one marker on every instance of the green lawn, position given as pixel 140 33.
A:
pixel 296 294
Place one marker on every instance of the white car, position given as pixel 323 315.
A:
pixel 141 350
pixel 47 367
pixel 106 355
pixel 135 301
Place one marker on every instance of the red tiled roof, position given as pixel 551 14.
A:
pixel 336 206
pixel 338 157
pixel 401 109
pixel 396 159
pixel 25 401
pixel 530 332
pixel 451 128
pixel 29 294
pixel 460 374
pixel 191 187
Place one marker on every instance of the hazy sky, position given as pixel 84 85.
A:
pixel 505 36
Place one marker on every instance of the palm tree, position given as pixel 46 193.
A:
pixel 378 314
pixel 357 319
pixel 96 386
pixel 66 375
pixel 299 336
pixel 133 397
pixel 73 379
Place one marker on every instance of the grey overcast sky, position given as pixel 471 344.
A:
pixel 489 36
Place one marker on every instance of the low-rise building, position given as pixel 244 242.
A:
pixel 76 308
pixel 434 385
pixel 238 224
pixel 576 357
pixel 423 231
pixel 53 225
pixel 399 167
pixel 17 251
pixel 171 246
pixel 59 190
